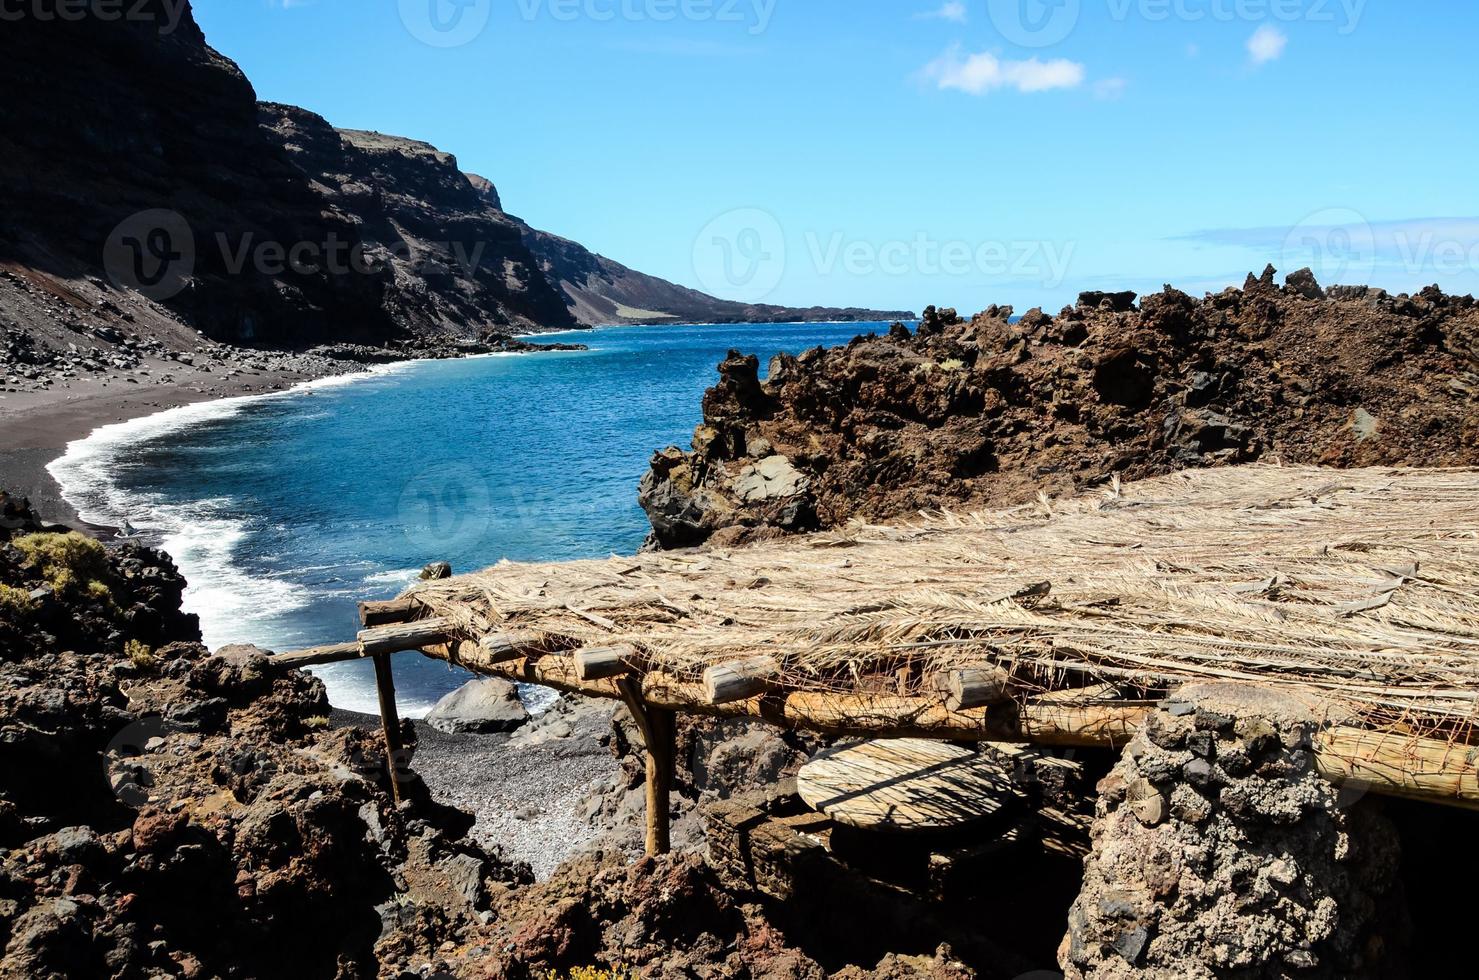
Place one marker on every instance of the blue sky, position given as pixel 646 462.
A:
pixel 905 153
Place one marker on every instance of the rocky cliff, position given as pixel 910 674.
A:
pixel 145 184
pixel 997 410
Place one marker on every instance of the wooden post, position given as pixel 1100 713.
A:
pixel 390 723
pixel 659 728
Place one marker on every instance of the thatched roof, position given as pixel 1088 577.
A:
pixel 1356 585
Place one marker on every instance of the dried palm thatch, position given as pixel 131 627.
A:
pixel 1355 586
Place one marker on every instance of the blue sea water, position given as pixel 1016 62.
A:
pixel 283 511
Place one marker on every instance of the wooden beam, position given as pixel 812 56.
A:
pixel 595 663
pixel 741 679
pixel 391 611
pixel 1431 770
pixel 404 636
pixel 390 723
pixel 316 656
pixel 973 687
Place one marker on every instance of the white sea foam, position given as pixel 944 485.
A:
pixel 202 535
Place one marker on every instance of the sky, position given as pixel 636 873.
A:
pixel 912 152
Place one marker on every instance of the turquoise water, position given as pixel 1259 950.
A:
pixel 284 511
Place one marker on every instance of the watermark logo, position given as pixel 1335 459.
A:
pixel 1038 261
pixel 165 14
pixel 740 255
pixel 152 252
pixel 445 506
pixel 1337 244
pixel 131 780
pixel 1034 23
pixel 446 23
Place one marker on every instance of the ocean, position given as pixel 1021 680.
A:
pixel 284 510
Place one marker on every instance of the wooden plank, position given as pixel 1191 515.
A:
pixel 404 636
pixel 741 679
pixel 906 785
pixel 595 663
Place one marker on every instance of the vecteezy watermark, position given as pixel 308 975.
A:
pixel 445 23
pixel 157 253
pixel 167 14
pixel 1039 261
pixel 1042 23
pixel 740 255
pixel 453 23
pixel 753 15
pixel 1337 244
pixel 152 252
pixel 443 507
pixel 1034 23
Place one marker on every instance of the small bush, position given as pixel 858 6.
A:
pixel 72 564
pixel 15 603
pixel 594 973
pixel 140 655
pixel 314 722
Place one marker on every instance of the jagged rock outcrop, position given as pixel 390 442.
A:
pixel 1219 851
pixel 994 410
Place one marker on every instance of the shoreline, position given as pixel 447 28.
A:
pixel 41 425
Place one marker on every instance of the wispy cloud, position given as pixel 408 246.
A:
pixel 1267 44
pixel 952 10
pixel 980 74
pixel 1110 89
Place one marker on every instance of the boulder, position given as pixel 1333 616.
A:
pixel 485 705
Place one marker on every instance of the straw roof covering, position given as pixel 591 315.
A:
pixel 1360 586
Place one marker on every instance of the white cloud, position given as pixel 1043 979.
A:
pixel 1267 44
pixel 981 73
pixel 1109 89
pixel 952 10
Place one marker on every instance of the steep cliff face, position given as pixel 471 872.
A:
pixel 994 410
pixel 457 266
pixel 103 120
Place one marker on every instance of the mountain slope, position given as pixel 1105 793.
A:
pixel 599 290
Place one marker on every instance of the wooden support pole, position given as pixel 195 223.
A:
pixel 390 723
pixel 595 663
pixel 726 683
pixel 973 687
pixel 658 727
pixel 404 636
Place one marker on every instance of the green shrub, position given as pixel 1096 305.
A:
pixel 73 564
pixel 15 603
pixel 594 973
pixel 140 655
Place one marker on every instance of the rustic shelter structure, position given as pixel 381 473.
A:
pixel 1061 622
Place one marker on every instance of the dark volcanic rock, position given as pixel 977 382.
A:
pixel 992 412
